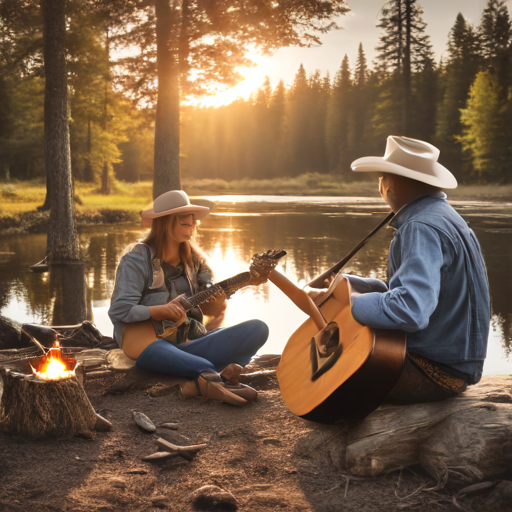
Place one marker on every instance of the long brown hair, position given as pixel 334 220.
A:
pixel 159 237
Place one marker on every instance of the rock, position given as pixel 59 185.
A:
pixel 143 422
pixel 137 471
pixel 271 440
pixel 117 360
pixel 160 390
pixel 211 497
pixel 160 502
pixel 116 482
pixel 170 426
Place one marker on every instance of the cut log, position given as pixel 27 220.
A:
pixel 462 440
pixel 30 406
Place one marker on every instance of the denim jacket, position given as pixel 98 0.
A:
pixel 438 289
pixel 140 284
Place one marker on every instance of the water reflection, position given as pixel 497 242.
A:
pixel 316 232
pixel 68 295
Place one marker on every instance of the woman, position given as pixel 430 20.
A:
pixel 156 271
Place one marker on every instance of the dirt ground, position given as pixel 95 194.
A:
pixel 268 459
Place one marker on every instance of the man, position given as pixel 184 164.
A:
pixel 438 290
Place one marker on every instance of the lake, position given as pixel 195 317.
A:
pixel 316 232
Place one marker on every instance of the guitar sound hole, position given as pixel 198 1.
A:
pixel 329 340
pixel 326 350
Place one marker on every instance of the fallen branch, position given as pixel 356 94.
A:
pixel 169 450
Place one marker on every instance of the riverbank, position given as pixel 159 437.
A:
pixel 259 458
pixel 20 200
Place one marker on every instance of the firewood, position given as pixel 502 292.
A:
pixel 34 407
pixel 187 452
pixel 102 424
pixel 158 456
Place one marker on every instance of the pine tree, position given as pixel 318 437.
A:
pixel 360 104
pixel 484 136
pixel 460 70
pixel 298 110
pixel 339 120
pixel 403 48
pixel 319 92
pixel 277 128
pixel 495 38
pixel 263 145
pixel 423 125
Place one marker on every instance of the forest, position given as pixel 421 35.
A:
pixel 461 104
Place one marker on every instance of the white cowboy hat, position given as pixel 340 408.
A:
pixel 411 158
pixel 171 203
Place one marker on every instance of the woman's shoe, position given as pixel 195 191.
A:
pixel 231 374
pixel 243 390
pixel 189 389
pixel 211 386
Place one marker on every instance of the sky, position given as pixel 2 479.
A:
pixel 359 25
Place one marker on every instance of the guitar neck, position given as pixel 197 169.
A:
pixel 227 287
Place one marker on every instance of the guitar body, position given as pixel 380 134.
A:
pixel 136 337
pixel 349 382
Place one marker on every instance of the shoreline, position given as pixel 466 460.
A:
pixel 19 214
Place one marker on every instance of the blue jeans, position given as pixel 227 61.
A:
pixel 236 344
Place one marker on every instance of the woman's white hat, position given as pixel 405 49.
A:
pixel 171 203
pixel 411 158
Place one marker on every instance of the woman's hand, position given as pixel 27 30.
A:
pixel 171 311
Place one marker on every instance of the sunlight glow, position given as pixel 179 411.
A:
pixel 254 77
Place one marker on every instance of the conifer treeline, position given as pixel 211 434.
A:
pixel 318 124
pixel 462 105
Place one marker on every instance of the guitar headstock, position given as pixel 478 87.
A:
pixel 263 263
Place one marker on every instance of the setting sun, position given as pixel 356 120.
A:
pixel 253 78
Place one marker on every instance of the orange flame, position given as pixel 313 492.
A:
pixel 53 367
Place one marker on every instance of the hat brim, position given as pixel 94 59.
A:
pixel 442 178
pixel 148 214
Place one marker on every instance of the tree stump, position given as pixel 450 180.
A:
pixel 30 406
pixel 462 440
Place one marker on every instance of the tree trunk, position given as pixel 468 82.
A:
pixel 62 244
pixel 88 174
pixel 105 174
pixel 167 123
pixel 407 68
pixel 67 286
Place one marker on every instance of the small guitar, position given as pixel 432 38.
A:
pixel 138 335
pixel 333 368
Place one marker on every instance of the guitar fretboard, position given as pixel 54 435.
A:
pixel 228 287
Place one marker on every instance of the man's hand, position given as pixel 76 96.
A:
pixel 171 311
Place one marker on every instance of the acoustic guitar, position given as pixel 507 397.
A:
pixel 333 368
pixel 139 335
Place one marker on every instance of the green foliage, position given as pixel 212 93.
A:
pixel 315 126
pixel 487 133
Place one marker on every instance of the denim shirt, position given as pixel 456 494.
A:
pixel 438 289
pixel 140 284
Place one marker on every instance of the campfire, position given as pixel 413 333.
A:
pixel 53 365
pixel 48 400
